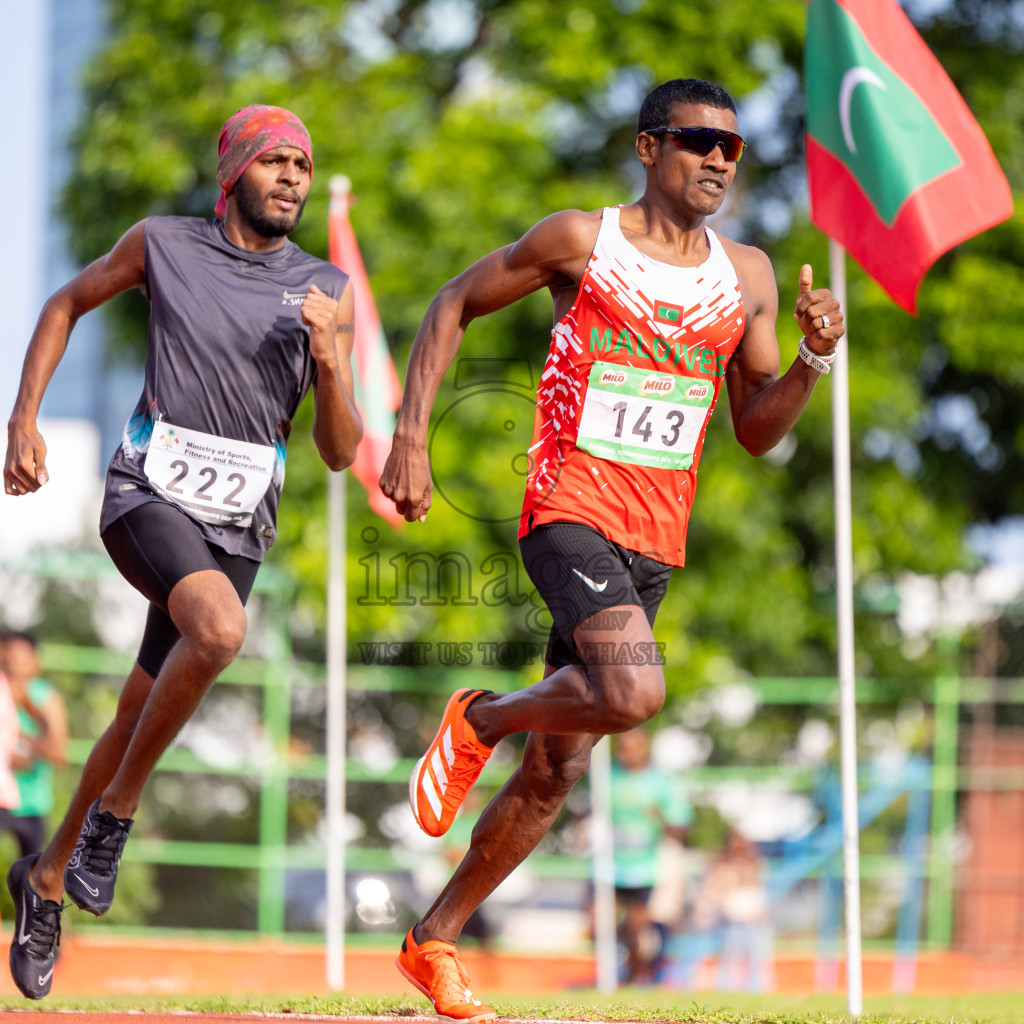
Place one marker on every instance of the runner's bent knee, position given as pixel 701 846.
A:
pixel 623 665
pixel 209 615
pixel 627 698
pixel 220 639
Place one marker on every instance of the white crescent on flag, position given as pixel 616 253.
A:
pixel 855 76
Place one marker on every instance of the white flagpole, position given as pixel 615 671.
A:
pixel 336 727
pixel 844 623
pixel 605 945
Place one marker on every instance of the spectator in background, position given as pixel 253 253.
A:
pixel 647 805
pixel 9 798
pixel 733 902
pixel 42 740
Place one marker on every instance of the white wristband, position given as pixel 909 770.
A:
pixel 820 363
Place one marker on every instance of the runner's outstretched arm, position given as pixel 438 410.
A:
pixel 19 760
pixel 552 254
pixel 53 743
pixel 120 269
pixel 764 405
pixel 337 426
pixel 50 743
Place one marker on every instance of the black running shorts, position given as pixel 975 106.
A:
pixel 156 545
pixel 579 572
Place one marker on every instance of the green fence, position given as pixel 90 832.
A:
pixel 277 673
pixel 272 856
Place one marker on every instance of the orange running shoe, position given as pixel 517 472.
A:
pixel 436 970
pixel 452 763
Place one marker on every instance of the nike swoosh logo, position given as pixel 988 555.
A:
pixel 23 936
pixel 590 583
pixel 44 978
pixel 95 892
pixel 293 295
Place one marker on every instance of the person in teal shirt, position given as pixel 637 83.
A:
pixel 647 805
pixel 42 724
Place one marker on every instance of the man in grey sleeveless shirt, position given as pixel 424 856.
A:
pixel 242 324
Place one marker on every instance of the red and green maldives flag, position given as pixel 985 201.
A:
pixel 377 388
pixel 898 169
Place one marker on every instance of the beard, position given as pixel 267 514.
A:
pixel 251 209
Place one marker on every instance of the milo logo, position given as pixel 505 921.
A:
pixel 613 377
pixel 656 384
pixel 698 391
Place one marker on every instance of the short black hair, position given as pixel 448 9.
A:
pixel 19 634
pixel 656 108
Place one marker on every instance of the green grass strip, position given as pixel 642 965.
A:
pixel 626 1005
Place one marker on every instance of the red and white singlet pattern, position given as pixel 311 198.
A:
pixel 631 378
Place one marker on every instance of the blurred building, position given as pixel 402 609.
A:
pixel 50 42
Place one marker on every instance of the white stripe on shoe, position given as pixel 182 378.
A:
pixel 446 742
pixel 427 785
pixel 440 774
pixel 433 775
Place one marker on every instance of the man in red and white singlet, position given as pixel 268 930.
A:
pixel 652 312
pixel 631 379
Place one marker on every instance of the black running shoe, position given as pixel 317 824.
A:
pixel 36 932
pixel 92 871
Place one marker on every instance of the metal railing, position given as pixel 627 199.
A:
pixel 272 855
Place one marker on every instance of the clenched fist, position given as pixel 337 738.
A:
pixel 320 314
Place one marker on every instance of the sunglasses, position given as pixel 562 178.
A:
pixel 703 140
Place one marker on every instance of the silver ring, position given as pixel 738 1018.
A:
pixel 825 322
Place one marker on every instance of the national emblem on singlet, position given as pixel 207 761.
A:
pixel 632 376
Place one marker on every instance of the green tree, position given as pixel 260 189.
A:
pixel 462 122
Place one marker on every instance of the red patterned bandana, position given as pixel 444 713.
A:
pixel 250 132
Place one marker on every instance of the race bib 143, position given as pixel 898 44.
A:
pixel 643 417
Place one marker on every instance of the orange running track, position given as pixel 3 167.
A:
pixel 97 965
